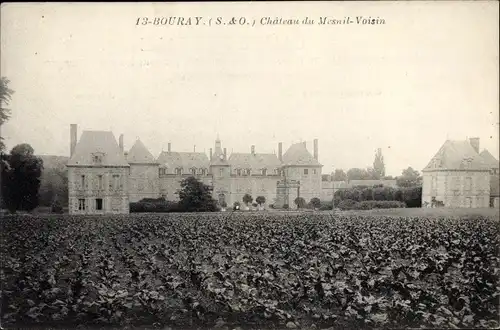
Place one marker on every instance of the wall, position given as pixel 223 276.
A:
pixel 144 182
pixel 452 188
pixel 256 185
pixel 115 199
pixel 310 184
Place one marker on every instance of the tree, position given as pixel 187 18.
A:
pixel 247 199
pixel 5 97
pixel 315 202
pixel 378 164
pixel 260 200
pixel 339 175
pixel 300 202
pixel 21 171
pixel 358 174
pixel 195 196
pixel 409 178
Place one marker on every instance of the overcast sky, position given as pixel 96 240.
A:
pixel 430 73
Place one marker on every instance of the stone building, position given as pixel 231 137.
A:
pixel 144 176
pixel 493 165
pixel 97 174
pixel 103 178
pixel 457 176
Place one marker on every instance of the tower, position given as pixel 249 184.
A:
pixel 221 174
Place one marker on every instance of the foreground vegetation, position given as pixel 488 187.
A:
pixel 260 270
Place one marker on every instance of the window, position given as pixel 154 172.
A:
pixel 98 204
pixel 221 171
pixel 314 171
pixel 238 172
pixel 81 205
pixel 82 181
pixel 264 171
pixel 193 171
pixel 178 171
pixel 116 181
pixel 99 182
pixel 468 183
pixel 306 171
pixel 276 171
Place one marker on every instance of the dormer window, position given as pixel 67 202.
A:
pixel 264 171
pixel 246 172
pixel 178 171
pixel 238 172
pixel 97 158
pixel 193 171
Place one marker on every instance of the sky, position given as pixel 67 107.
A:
pixel 430 73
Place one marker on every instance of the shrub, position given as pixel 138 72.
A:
pixel 315 203
pixel 347 204
pixel 286 206
pixel 326 205
pixel 236 206
pixel 159 205
pixel 56 207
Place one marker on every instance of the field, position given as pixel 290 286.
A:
pixel 255 270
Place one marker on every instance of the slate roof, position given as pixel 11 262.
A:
pixel 254 162
pixel 139 154
pixel 298 155
pixel 456 155
pixel 489 159
pixel 97 142
pixel 184 160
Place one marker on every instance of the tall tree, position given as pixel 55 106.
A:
pixel 358 174
pixel 5 97
pixel 21 171
pixel 339 175
pixel 409 178
pixel 378 164
pixel 195 196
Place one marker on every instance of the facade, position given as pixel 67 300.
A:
pixel 97 174
pixel 103 178
pixel 493 165
pixel 458 176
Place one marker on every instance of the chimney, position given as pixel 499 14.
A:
pixel 225 153
pixel 316 149
pixel 121 142
pixel 280 151
pixel 252 150
pixel 474 142
pixel 169 146
pixel 210 154
pixel 73 137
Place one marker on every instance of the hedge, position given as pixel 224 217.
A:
pixel 349 204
